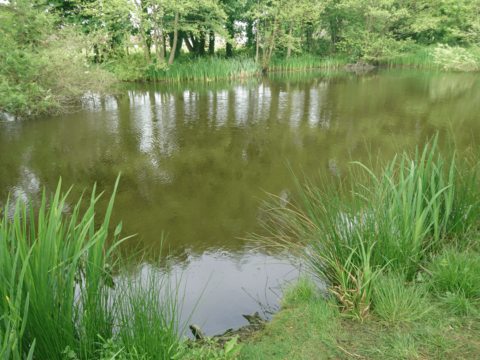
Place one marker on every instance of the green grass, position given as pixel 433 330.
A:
pixel 313 328
pixel 394 244
pixel 133 67
pixel 394 301
pixel 421 58
pixel 456 272
pixel 66 294
pixel 305 62
pixel 381 217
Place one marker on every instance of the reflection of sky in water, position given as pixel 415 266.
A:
pixel 232 287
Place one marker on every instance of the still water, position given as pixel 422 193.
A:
pixel 197 158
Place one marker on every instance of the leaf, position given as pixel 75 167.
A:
pixel 230 344
pixel 118 229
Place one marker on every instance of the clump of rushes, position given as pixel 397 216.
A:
pixel 57 277
pixel 384 217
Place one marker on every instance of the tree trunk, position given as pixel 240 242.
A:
pixel 201 43
pixel 250 37
pixel 271 45
pixel 155 29
pixel 188 44
pixel 211 44
pixel 258 33
pixel 231 32
pixel 194 43
pixel 175 39
pixel 96 54
pixel 289 48
pixel 162 40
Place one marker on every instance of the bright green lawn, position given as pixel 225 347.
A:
pixel 308 327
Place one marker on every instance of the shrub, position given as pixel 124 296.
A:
pixel 42 70
pixel 456 58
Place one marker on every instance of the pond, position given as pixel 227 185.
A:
pixel 197 159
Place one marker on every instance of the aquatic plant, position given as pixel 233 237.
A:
pixel 213 68
pixel 68 288
pixel 421 58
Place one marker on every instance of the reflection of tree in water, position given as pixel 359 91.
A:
pixel 195 157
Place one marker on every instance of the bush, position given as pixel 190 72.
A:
pixel 457 58
pixel 43 70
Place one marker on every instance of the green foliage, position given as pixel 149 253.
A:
pixel 65 271
pixel 457 273
pixel 459 304
pixel 14 320
pixel 303 289
pixel 396 301
pixel 42 69
pixel 420 58
pixel 209 350
pixel 457 58
pixel 388 216
pixel 213 68
pixel 305 62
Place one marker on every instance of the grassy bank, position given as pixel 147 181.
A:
pixel 133 67
pixel 395 247
pixel 415 321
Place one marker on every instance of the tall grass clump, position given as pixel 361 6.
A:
pixel 397 302
pixel 456 272
pixel 58 292
pixel 385 216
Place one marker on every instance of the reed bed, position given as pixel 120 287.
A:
pixel 66 293
pixel 306 62
pixel 384 217
pixel 423 58
pixel 133 68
